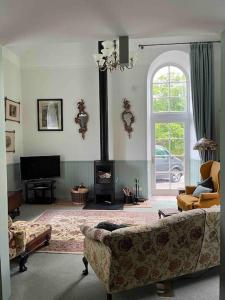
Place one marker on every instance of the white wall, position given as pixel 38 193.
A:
pixel 12 90
pixel 67 71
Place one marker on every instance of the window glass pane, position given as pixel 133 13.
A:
pixel 177 104
pixel 164 143
pixel 176 130
pixel 177 147
pixel 161 131
pixel 161 105
pixel 176 74
pixel 177 89
pixel 169 90
pixel 162 75
pixel 160 90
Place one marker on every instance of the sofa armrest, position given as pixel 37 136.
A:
pixel 96 234
pixel 209 196
pixel 189 189
pixel 17 242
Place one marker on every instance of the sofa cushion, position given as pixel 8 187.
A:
pixel 110 226
pixel 200 190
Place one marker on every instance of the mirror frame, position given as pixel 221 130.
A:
pixel 81 107
pixel 127 127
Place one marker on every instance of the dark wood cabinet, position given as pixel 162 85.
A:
pixel 14 202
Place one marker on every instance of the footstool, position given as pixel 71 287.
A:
pixel 25 238
pixel 167 212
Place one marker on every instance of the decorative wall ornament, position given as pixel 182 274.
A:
pixel 82 118
pixel 127 117
pixel 10 141
pixel 50 114
pixel 12 110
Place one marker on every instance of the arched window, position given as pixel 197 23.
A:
pixel 170 128
pixel 169 90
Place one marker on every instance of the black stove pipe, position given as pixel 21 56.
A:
pixel 103 104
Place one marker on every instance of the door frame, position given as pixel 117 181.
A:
pixel 167 117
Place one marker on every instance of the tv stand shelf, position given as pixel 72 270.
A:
pixel 40 191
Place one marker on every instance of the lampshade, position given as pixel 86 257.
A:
pixel 107 52
pixel 107 44
pixel 97 57
pixel 205 144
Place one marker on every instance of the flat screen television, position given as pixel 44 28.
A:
pixel 37 167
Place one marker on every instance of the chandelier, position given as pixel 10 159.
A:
pixel 109 58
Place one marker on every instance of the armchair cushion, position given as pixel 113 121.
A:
pixel 200 190
pixel 208 183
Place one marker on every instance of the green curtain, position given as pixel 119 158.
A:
pixel 202 85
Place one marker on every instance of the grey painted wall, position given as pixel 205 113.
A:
pixel 77 172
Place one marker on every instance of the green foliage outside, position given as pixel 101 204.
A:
pixel 169 97
pixel 170 136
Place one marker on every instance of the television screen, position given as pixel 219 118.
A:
pixel 36 167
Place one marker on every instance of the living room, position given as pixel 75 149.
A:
pixel 123 119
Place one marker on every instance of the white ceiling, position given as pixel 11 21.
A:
pixel 40 21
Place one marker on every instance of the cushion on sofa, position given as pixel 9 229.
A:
pixel 110 226
pixel 201 189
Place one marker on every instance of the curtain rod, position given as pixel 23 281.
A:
pixel 167 44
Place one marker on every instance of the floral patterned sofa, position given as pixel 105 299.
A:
pixel 26 237
pixel 139 255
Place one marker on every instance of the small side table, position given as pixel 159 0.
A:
pixel 167 212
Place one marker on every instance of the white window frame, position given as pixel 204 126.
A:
pixel 167 117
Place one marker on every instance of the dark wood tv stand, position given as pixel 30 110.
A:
pixel 14 202
pixel 39 191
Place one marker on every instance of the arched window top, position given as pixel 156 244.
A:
pixel 169 90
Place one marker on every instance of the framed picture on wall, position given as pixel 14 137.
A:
pixel 50 114
pixel 10 141
pixel 12 110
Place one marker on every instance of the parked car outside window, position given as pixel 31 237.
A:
pixel 168 167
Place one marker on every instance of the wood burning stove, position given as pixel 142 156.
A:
pixel 104 181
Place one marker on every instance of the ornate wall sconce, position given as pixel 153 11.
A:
pixel 127 117
pixel 82 118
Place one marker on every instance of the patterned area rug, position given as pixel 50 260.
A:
pixel 144 204
pixel 66 234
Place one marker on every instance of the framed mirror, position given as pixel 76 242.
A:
pixel 82 118
pixel 127 117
